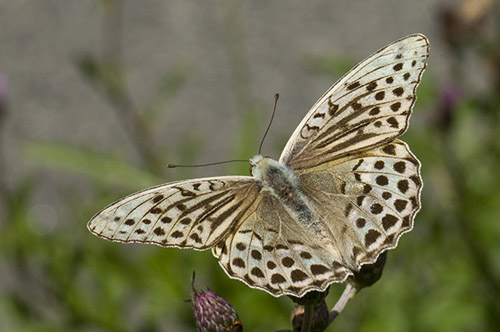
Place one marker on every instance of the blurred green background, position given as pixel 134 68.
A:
pixel 97 96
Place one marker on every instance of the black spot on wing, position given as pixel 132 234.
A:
pixel 398 67
pixel 353 86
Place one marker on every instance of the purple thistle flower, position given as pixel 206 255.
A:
pixel 213 313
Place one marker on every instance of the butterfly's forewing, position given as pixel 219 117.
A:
pixel 189 214
pixel 368 106
pixel 270 251
pixel 370 199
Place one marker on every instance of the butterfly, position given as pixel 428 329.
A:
pixel 342 192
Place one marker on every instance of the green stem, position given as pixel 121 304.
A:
pixel 308 317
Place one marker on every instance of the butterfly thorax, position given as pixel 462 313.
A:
pixel 280 182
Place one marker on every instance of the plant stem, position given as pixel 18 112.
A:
pixel 346 296
pixel 308 317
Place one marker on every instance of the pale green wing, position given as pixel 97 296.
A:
pixel 269 250
pixel 370 105
pixel 194 213
pixel 368 199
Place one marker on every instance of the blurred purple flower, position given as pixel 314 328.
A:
pixel 449 96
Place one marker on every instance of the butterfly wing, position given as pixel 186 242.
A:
pixel 195 213
pixel 370 199
pixel 270 251
pixel 370 105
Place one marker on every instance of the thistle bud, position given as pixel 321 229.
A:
pixel 369 273
pixel 213 313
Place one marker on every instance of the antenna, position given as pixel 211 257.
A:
pixel 209 164
pixel 276 97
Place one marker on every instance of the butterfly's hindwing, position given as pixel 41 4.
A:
pixel 370 105
pixel 370 198
pixel 190 214
pixel 270 251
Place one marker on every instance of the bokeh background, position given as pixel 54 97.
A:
pixel 97 96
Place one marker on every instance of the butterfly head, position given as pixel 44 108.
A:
pixel 261 167
pixel 255 165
